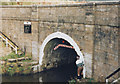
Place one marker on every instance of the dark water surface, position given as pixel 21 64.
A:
pixel 60 74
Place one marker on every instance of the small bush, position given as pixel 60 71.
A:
pixel 72 81
pixel 4 3
pixel 29 67
pixel 11 71
pixel 21 69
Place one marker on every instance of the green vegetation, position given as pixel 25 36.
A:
pixel 90 80
pixel 12 56
pixel 84 80
pixel 27 61
pixel 12 68
pixel 3 3
pixel 72 81
pixel 10 71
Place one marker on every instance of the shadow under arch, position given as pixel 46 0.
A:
pixel 65 37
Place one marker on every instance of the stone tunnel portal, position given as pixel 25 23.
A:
pixel 49 57
pixel 60 56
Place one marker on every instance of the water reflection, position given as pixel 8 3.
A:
pixel 60 74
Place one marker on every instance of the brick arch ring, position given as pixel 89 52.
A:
pixel 65 37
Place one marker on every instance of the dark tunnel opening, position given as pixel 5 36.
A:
pixel 62 59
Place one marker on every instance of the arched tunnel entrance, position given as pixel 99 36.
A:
pixel 63 58
pixel 60 56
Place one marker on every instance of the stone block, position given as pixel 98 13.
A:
pixel 28 47
pixel 34 63
pixel 75 14
pixel 16 12
pixel 45 14
pixel 53 25
pixel 22 58
pixel 101 8
pixel 11 60
pixel 106 18
pixel 101 56
pixel 113 59
pixel 35 50
pixel 89 19
pixel 90 44
pixel 60 11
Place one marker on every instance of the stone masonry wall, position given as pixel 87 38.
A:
pixel 93 26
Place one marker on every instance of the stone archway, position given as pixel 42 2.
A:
pixel 65 37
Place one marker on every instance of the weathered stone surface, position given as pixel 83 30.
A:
pixel 3 49
pixel 34 50
pixel 106 50
pixel 88 64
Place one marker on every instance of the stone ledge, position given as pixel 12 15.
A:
pixel 22 58
pixel 12 60
pixel 34 63
pixel 18 59
pixel 65 5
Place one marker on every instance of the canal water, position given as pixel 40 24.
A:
pixel 60 74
